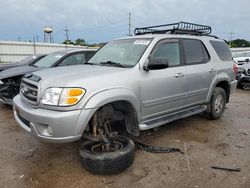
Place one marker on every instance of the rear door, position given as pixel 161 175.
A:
pixel 199 71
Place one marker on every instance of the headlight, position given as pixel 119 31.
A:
pixel 62 96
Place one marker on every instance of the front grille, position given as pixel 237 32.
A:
pixel 29 91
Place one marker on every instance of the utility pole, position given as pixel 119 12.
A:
pixel 34 45
pixel 66 32
pixel 129 24
pixel 19 38
pixel 37 38
pixel 231 33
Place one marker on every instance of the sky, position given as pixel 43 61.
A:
pixel 103 20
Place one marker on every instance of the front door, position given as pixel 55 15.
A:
pixel 163 91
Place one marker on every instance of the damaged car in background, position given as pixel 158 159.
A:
pixel 26 61
pixel 243 75
pixel 241 58
pixel 10 79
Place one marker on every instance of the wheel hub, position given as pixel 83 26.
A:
pixel 218 104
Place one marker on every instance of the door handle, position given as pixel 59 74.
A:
pixel 211 70
pixel 178 75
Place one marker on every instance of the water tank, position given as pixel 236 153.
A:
pixel 48 29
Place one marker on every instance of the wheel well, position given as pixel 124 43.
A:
pixel 224 85
pixel 122 111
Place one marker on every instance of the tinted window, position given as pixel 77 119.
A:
pixel 169 51
pixel 195 51
pixel 222 50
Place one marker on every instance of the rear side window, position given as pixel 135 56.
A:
pixel 222 50
pixel 195 52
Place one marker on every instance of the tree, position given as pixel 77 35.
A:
pixel 80 42
pixel 239 43
pixel 68 42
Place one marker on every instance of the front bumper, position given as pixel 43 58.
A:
pixel 51 126
pixel 243 79
pixel 6 101
pixel 6 93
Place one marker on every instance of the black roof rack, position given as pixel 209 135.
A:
pixel 175 28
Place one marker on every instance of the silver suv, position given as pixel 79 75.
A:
pixel 161 74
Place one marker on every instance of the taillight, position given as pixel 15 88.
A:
pixel 235 68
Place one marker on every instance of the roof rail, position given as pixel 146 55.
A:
pixel 175 28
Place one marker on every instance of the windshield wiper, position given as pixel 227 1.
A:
pixel 33 65
pixel 88 63
pixel 112 63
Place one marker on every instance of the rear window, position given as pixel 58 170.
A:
pixel 222 50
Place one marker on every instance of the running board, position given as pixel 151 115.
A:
pixel 149 124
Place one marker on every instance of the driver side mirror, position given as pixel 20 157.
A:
pixel 156 64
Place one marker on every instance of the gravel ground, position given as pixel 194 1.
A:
pixel 27 162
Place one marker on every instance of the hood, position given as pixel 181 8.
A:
pixel 4 66
pixel 17 71
pixel 241 58
pixel 65 74
pixel 92 77
pixel 245 66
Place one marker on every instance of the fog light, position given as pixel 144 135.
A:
pixel 50 130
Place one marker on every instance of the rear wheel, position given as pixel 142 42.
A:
pixel 217 104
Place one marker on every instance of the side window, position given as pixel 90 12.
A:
pixel 169 51
pixel 222 50
pixel 195 52
pixel 73 60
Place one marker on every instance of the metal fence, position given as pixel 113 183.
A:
pixel 11 51
pixel 237 50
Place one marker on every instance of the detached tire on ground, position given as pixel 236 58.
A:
pixel 108 162
pixel 217 104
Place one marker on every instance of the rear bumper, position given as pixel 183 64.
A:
pixel 233 86
pixel 51 126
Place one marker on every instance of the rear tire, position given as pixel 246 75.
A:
pixel 108 162
pixel 217 104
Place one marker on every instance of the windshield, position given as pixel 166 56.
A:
pixel 125 52
pixel 49 60
pixel 242 54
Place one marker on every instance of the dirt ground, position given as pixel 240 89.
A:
pixel 27 162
